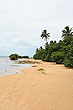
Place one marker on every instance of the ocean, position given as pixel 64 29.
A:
pixel 8 67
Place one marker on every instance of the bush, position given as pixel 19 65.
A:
pixel 16 56
pixel 68 62
pixel 39 54
pixel 19 56
pixel 47 58
pixel 57 57
pixel 13 58
pixel 24 56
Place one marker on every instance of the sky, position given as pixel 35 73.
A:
pixel 22 21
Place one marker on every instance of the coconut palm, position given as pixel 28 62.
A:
pixel 67 32
pixel 45 35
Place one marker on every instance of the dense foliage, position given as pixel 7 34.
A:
pixel 61 52
pixel 16 56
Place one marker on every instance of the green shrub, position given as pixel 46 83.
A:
pixel 19 56
pixel 13 58
pixel 47 58
pixel 16 56
pixel 57 57
pixel 24 56
pixel 68 62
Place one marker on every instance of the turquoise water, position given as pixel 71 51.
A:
pixel 8 67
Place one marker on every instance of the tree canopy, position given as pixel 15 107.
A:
pixel 67 32
pixel 61 52
pixel 45 35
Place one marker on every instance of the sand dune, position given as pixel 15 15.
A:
pixel 45 86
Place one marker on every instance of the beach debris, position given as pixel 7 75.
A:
pixel 34 66
pixel 42 71
pixel 27 62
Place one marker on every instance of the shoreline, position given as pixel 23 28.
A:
pixel 9 67
pixel 26 61
pixel 44 86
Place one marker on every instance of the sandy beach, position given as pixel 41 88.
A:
pixel 45 86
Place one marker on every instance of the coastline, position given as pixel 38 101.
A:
pixel 8 67
pixel 44 86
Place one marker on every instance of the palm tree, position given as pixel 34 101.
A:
pixel 45 35
pixel 67 32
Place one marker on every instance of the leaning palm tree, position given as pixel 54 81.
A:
pixel 45 35
pixel 67 32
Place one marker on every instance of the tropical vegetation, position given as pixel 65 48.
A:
pixel 45 35
pixel 16 57
pixel 61 52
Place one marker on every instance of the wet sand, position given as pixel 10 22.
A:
pixel 45 86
